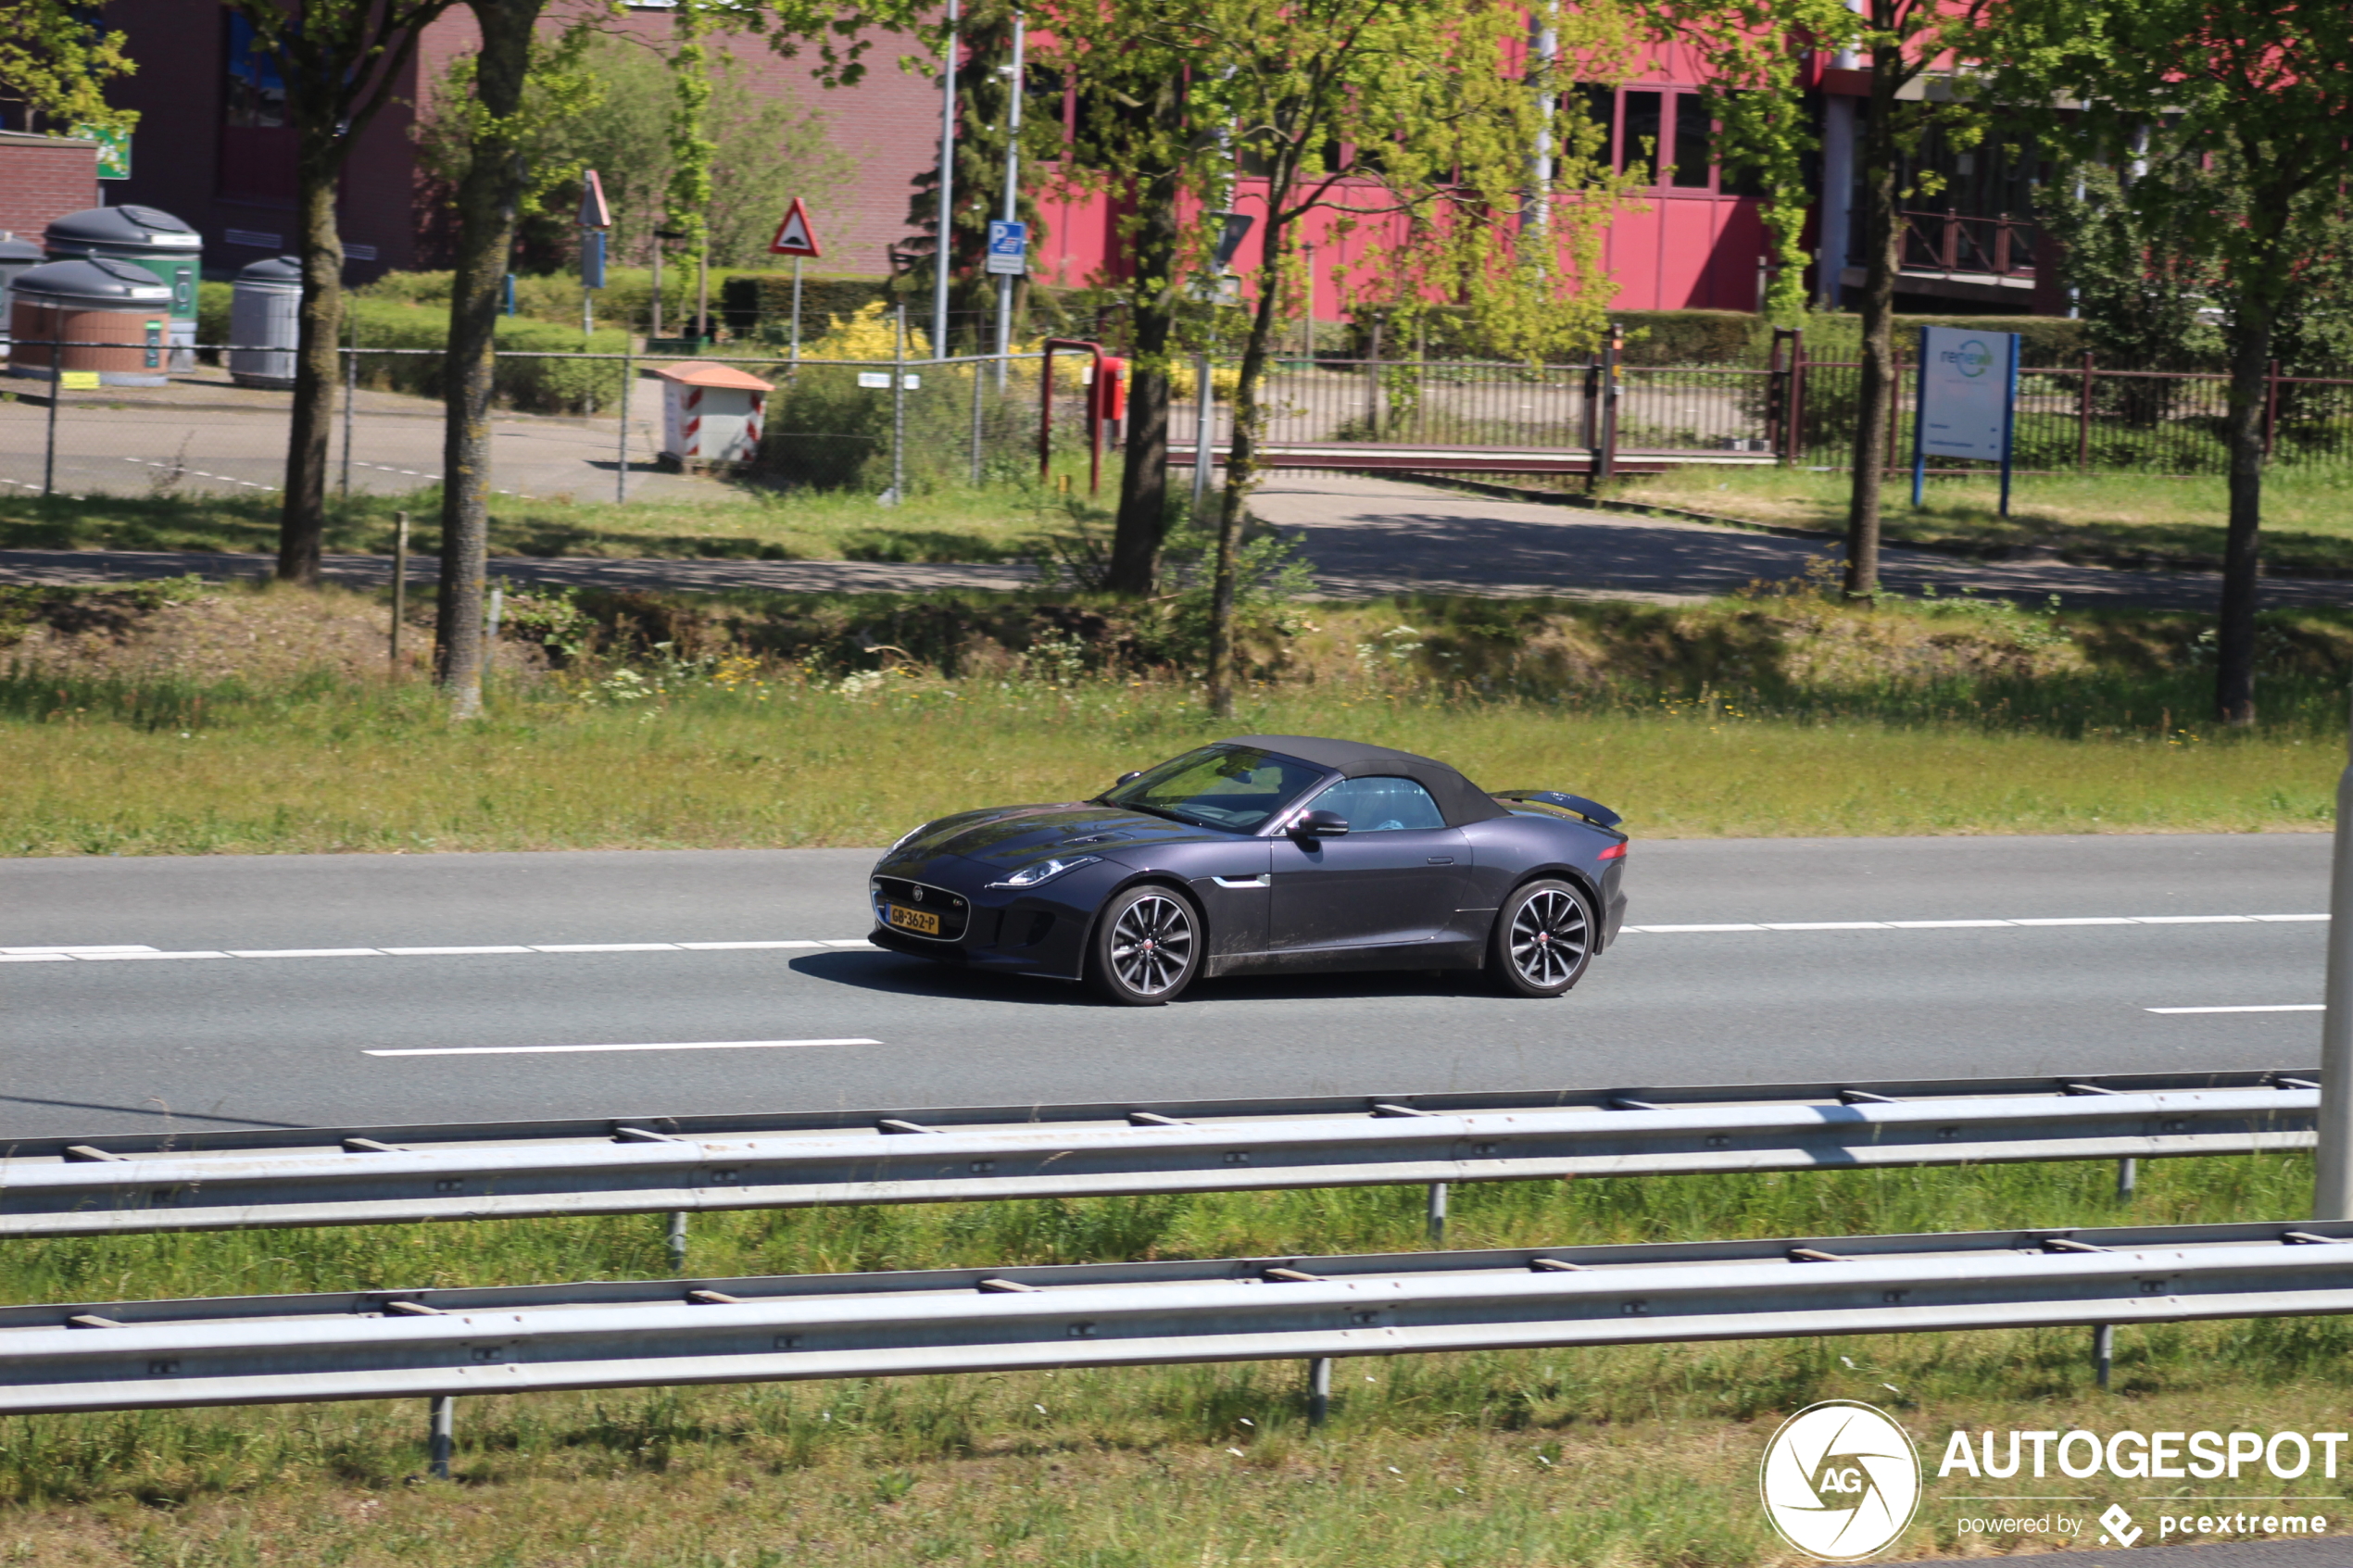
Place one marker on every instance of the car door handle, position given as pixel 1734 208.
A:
pixel 1441 859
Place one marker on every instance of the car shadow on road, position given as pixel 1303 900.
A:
pixel 901 975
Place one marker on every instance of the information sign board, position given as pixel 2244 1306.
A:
pixel 1968 394
pixel 114 150
pixel 1008 248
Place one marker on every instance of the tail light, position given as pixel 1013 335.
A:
pixel 1614 852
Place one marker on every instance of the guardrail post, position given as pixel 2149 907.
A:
pixel 2103 1350
pixel 350 395
pixel 678 1239
pixel 1438 1214
pixel 2128 1177
pixel 399 586
pixel 977 389
pixel 2332 1160
pixel 1319 1390
pixel 628 382
pixel 437 1446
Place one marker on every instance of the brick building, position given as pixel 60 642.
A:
pixel 213 147
pixel 42 179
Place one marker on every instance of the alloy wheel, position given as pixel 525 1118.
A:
pixel 1549 935
pixel 1152 944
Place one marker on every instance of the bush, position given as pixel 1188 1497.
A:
pixel 1689 337
pixel 545 386
pixel 2050 342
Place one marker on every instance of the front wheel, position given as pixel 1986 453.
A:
pixel 1542 941
pixel 1146 948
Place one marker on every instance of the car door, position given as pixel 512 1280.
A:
pixel 1396 877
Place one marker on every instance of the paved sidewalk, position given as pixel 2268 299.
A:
pixel 1366 537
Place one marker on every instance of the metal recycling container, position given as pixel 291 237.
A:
pixel 151 238
pixel 83 304
pixel 15 256
pixel 265 316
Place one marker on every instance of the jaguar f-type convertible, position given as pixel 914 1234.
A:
pixel 1266 852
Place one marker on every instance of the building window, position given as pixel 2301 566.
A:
pixel 1694 142
pixel 255 94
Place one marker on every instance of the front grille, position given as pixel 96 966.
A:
pixel 952 908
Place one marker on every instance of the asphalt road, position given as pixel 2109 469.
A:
pixel 93 1043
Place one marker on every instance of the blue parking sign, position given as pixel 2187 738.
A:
pixel 1008 248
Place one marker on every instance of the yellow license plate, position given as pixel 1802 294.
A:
pixel 921 921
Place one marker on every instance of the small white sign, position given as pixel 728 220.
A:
pixel 875 378
pixel 911 382
pixel 1965 392
pixel 1008 248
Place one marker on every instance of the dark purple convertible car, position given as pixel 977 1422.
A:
pixel 1264 853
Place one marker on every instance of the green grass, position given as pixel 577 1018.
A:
pixel 1632 1456
pixel 2111 519
pixel 993 523
pixel 333 767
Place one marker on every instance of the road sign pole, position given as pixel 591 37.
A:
pixel 1920 425
pixel 1016 89
pixel 2009 422
pixel 942 252
pixel 57 390
pixel 796 310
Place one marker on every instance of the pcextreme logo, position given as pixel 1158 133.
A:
pixel 1973 358
pixel 1839 1481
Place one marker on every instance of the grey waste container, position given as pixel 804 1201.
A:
pixel 265 316
pixel 112 317
pixel 15 256
pixel 148 237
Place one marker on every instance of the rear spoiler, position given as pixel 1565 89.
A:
pixel 1592 811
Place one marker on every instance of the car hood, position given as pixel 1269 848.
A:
pixel 1011 836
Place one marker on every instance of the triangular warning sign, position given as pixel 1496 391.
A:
pixel 794 236
pixel 594 213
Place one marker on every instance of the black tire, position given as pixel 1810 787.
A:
pixel 1543 939
pixel 1146 948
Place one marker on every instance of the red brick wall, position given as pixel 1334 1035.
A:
pixel 42 179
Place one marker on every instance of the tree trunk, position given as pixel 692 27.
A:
pixel 489 196
pixel 302 515
pixel 1241 464
pixel 1143 483
pixel 1883 243
pixel 2243 422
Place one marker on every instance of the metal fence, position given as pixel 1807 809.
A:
pixel 570 426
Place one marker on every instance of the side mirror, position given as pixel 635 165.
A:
pixel 1127 778
pixel 1312 825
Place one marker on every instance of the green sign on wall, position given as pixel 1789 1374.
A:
pixel 114 150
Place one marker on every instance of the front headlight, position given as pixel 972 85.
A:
pixel 1045 871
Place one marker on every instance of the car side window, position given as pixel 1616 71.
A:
pixel 1381 805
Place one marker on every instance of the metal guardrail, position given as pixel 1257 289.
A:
pixel 444 1343
pixel 251 1178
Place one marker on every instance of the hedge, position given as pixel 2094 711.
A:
pixel 544 386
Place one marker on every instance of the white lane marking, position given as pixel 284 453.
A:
pixel 307 953
pixel 107 957
pixel 69 955
pixel 2265 1007
pixel 608 947
pixel 669 1046
pixel 448 952
pixel 76 952
pixel 1974 924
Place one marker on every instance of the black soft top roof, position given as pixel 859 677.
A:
pixel 1456 795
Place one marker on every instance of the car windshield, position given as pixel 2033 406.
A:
pixel 1220 786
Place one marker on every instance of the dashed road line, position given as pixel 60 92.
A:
pixel 121 951
pixel 667 1046
pixel 1974 924
pixel 2263 1006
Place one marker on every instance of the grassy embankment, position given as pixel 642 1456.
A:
pixel 2122 519
pixel 1002 522
pixel 196 720
pixel 1626 1457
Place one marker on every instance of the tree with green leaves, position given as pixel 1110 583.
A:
pixel 2258 91
pixel 984 94
pixel 1413 121
pixel 341 61
pixel 1910 48
pixel 55 63
pixel 497 124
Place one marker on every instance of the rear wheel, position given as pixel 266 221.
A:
pixel 1146 948
pixel 1543 939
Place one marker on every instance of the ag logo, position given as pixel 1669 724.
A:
pixel 1973 357
pixel 1839 1481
